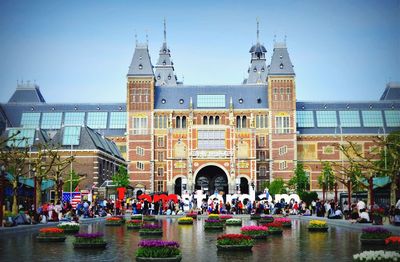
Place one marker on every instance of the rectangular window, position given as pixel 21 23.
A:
pixel 160 171
pixel 261 141
pixel 349 119
pixel 282 165
pixel 74 119
pixel 97 120
pixel 262 171
pixel 71 135
pixel 282 150
pixel 160 141
pixel 140 165
pixel 282 125
pixel 160 156
pixel 160 186
pixel 305 118
pixel 261 155
pixel 118 120
pixel 392 118
pixel 206 101
pixel 30 120
pixel 211 139
pixel 261 121
pixel 139 126
pixel 25 137
pixel 51 120
pixel 326 119
pixel 372 118
pixel 140 151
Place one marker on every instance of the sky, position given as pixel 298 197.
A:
pixel 80 51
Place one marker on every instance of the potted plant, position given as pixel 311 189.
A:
pixel 233 222
pixel 274 228
pixel 150 229
pixel 185 221
pixel 265 219
pixel 69 227
pixel 379 255
pixel 374 236
pixel 158 250
pixel 234 242
pixel 51 234
pixel 213 224
pixel 393 242
pixel 286 222
pixel 317 226
pixel 122 218
pixel 192 215
pixel 225 217
pixel 149 218
pixel 377 216
pixel 134 224
pixel 255 216
pixel 113 221
pixel 213 216
pixel 9 219
pixel 136 217
pixel 94 240
pixel 255 232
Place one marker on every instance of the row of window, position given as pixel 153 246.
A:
pixel 211 139
pixel 371 118
pixel 95 120
pixel 211 120
pixel 283 93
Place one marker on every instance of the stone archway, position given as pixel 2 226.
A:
pixel 212 178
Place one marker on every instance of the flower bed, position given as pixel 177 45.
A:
pixel 286 222
pixel 380 255
pixel 69 227
pixel 265 219
pixel 158 250
pixel 136 217
pixel 274 228
pixel 86 240
pixel 134 224
pixel 192 215
pixel 51 234
pixel 234 242
pixel 213 224
pixel 225 217
pixel 213 216
pixel 148 229
pixel 393 242
pixel 256 232
pixel 255 216
pixel 317 226
pixel 149 218
pixel 233 222
pixel 113 221
pixel 374 235
pixel 185 221
pixel 122 218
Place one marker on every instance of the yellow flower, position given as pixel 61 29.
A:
pixel 213 216
pixel 185 219
pixel 317 223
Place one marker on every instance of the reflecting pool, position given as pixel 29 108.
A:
pixel 296 244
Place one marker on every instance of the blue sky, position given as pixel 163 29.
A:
pixel 79 51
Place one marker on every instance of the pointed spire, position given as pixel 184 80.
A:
pixel 136 40
pixel 165 31
pixel 258 31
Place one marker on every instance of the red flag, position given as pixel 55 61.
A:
pixel 76 189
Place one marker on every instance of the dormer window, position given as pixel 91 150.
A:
pixel 164 50
pixel 169 77
pixel 140 67
pixel 163 101
pixel 164 63
pixel 280 56
pixel 158 77
pixel 140 57
pixel 240 100
pixel 258 100
pixel 181 101
pixel 262 69
pixel 281 66
pixel 254 69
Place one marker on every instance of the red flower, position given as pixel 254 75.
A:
pixel 393 239
pixel 51 230
pixel 234 237
pixel 274 224
pixel 113 219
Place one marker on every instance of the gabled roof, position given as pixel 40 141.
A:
pixel 141 62
pixel 27 93
pixel 392 91
pixel 280 62
pixel 178 97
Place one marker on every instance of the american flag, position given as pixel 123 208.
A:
pixel 76 198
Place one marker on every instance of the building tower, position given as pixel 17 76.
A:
pixel 257 70
pixel 282 120
pixel 140 104
pixel 165 74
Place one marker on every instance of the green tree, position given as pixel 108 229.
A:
pixel 277 187
pixel 299 182
pixel 75 181
pixel 327 179
pixel 121 178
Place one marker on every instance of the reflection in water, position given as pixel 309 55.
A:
pixel 196 244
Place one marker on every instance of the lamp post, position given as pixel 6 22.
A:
pixel 70 176
pixel 2 186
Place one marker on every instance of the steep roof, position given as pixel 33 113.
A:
pixel 280 61
pixel 141 62
pixel 392 91
pixel 243 96
pixel 27 93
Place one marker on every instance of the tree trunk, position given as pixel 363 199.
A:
pixel 349 195
pixel 393 188
pixel 15 197
pixel 371 192
pixel 38 192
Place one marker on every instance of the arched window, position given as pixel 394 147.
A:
pixel 205 120
pixel 238 122
pixel 178 122
pixel 244 122
pixel 211 120
pixel 183 121
pixel 217 120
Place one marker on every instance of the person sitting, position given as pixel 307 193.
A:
pixel 336 214
pixel 307 212
pixel 364 216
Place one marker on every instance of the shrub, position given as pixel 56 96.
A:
pixel 158 249
pixel 235 239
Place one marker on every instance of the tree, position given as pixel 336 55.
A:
pixel 299 182
pixel 121 178
pixel 58 171
pixel 277 187
pixel 75 181
pixel 327 179
pixel 14 156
